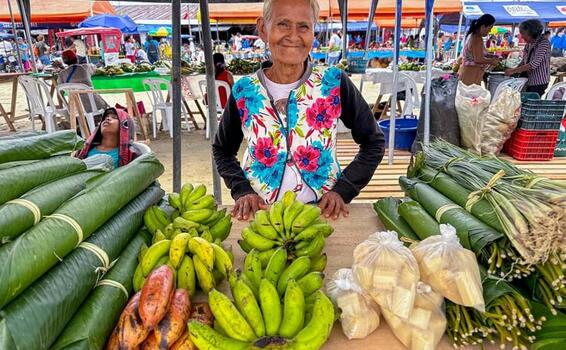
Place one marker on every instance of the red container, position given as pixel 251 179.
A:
pixel 532 144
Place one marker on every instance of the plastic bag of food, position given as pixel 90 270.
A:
pixel 427 323
pixel 387 271
pixel 450 269
pixel 472 102
pixel 500 120
pixel 360 314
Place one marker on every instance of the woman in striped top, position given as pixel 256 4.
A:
pixel 536 57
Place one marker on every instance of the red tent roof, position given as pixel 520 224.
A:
pixel 63 11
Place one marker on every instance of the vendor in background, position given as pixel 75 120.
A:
pixel 536 57
pixel 475 58
pixel 152 49
pixel 23 47
pixel 42 50
pixel 130 47
pixel 288 114
pixel 80 49
pixel 114 137
pixel 557 43
pixel 223 74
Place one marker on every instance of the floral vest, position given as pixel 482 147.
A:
pixel 306 140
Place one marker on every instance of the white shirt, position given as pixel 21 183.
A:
pixel 335 44
pixel 80 47
pixel 292 180
pixel 130 48
pixel 259 44
pixel 5 48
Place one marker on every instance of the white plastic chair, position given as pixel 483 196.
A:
pixel 91 112
pixel 37 92
pixel 554 88
pixel 407 84
pixel 159 102
pixel 516 84
pixel 191 92
pixel 219 109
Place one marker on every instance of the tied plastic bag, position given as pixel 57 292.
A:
pixel 427 323
pixel 472 102
pixel 500 120
pixel 450 269
pixel 360 314
pixel 387 271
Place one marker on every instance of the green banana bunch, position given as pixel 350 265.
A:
pixel 290 224
pixel 155 219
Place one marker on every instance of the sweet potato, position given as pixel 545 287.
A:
pixel 174 323
pixel 150 343
pixel 131 330
pixel 113 341
pixel 184 343
pixel 201 312
pixel 156 295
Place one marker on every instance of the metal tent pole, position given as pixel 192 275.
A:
pixel 429 57
pixel 458 36
pixel 344 15
pixel 393 104
pixel 371 15
pixel 25 21
pixel 15 30
pixel 211 91
pixel 176 92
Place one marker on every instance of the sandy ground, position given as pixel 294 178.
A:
pixel 196 151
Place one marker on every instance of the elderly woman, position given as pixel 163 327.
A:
pixel 288 114
pixel 536 57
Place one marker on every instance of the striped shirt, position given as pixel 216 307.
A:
pixel 537 55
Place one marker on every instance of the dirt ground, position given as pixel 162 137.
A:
pixel 196 150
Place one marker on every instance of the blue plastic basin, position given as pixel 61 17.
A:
pixel 405 132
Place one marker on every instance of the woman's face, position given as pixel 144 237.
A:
pixel 110 124
pixel 290 31
pixel 484 30
pixel 525 35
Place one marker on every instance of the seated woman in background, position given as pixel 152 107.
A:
pixel 113 137
pixel 80 73
pixel 222 74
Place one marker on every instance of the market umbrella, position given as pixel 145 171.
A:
pixel 124 23
pixel 161 31
pixel 498 30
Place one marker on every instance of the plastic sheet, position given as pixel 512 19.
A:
pixel 40 146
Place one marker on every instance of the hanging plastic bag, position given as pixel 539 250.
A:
pixel 472 102
pixel 387 271
pixel 360 314
pixel 427 323
pixel 500 120
pixel 450 269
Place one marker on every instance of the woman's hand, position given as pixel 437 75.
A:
pixel 494 61
pixel 509 71
pixel 246 206
pixel 332 205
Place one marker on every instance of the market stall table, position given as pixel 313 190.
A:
pixel 349 232
pixel 133 81
pixel 10 116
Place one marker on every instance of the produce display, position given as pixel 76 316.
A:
pixel 239 66
pixel 123 68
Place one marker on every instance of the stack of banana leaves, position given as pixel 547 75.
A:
pixel 513 220
pixel 64 225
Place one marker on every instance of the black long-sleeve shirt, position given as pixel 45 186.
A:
pixel 356 115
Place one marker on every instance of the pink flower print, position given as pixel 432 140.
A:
pixel 318 117
pixel 333 103
pixel 307 158
pixel 265 152
pixel 244 115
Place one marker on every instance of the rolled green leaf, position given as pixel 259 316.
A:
pixel 18 180
pixel 40 313
pixel 27 258
pixel 19 215
pixel 387 211
pixel 40 146
pixel 473 233
pixel 17 163
pixel 420 221
pixel 93 322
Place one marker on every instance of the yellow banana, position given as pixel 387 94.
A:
pixel 143 250
pixel 197 193
pixel 221 229
pixel 186 277
pixel 305 218
pixel 222 260
pixel 311 282
pixel 205 278
pixel 246 303
pixel 175 200
pixel 290 215
pixel 158 236
pixel 197 215
pixel 311 231
pixel 276 216
pixel 289 198
pixel 296 270
pixel 319 263
pixel 318 329
pixel 206 338
pixel 153 254
pixel 270 306
pixel 265 256
pixel 293 311
pixel 184 225
pixel 314 248
pixel 252 267
pixel 168 231
pixel 256 240
pixel 207 201
pixel 276 265
pixel 161 216
pixel 201 247
pixel 230 319
pixel 207 236
pixel 264 226
pixel 250 284
pixel 217 327
pixel 186 191
pixel 138 279
pixel 162 261
pixel 178 249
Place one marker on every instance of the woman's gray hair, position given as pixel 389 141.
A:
pixel 533 27
pixel 268 6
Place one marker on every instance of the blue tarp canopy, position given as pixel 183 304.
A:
pixel 515 12
pixel 124 23
pixel 352 26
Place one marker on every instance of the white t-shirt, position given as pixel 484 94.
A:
pixel 335 44
pixel 292 180
pixel 80 47
pixel 130 48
